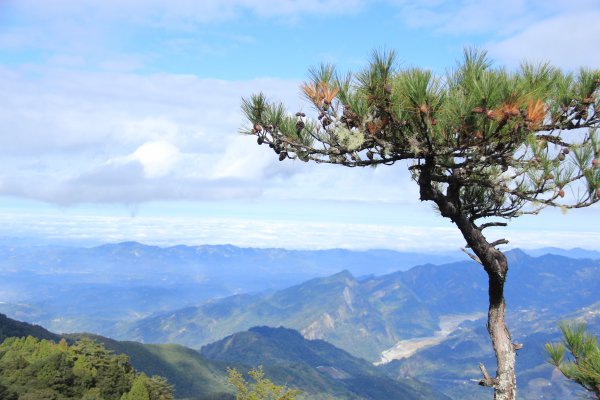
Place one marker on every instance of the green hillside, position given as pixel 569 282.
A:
pixel 193 376
pixel 10 327
pixel 320 369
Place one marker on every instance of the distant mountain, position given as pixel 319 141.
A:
pixel 366 316
pixel 323 370
pixel 127 281
pixel 363 316
pixel 571 253
pixel 369 316
pixel 116 284
pixel 557 283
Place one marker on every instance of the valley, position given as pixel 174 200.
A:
pixel 408 347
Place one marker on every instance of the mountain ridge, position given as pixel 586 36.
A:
pixel 38 280
pixel 379 311
pixel 195 376
pixel 280 347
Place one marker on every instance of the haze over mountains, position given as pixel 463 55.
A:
pixel 368 316
pixel 116 282
pixel 130 280
pixel 367 304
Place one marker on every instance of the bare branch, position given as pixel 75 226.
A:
pixel 487 380
pixel 498 242
pixel 517 346
pixel 473 256
pixel 491 224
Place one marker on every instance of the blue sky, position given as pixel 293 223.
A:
pixel 120 119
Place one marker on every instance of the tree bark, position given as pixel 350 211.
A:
pixel 496 266
pixel 505 383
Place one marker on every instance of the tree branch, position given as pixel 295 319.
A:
pixel 499 242
pixel 473 256
pixel 487 380
pixel 490 224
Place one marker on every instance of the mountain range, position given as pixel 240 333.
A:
pixel 422 323
pixel 367 316
pixel 127 281
pixel 362 317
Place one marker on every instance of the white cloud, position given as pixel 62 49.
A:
pixel 478 17
pixel 57 110
pixel 463 17
pixel 68 133
pixel 158 158
pixel 99 32
pixel 563 32
pixel 307 233
pixel 384 184
pixel 118 137
pixel 238 231
pixel 568 41
pixel 83 126
pixel 242 158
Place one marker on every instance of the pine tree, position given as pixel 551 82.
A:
pixel 6 394
pixel 159 388
pixel 139 389
pixel 584 367
pixel 485 145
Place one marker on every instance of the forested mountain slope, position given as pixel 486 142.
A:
pixel 315 364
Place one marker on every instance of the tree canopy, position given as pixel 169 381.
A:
pixel 261 389
pixel 42 369
pixel 495 138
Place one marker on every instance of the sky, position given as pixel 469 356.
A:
pixel 120 119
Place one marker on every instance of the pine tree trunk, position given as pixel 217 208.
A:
pixel 496 266
pixel 505 383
